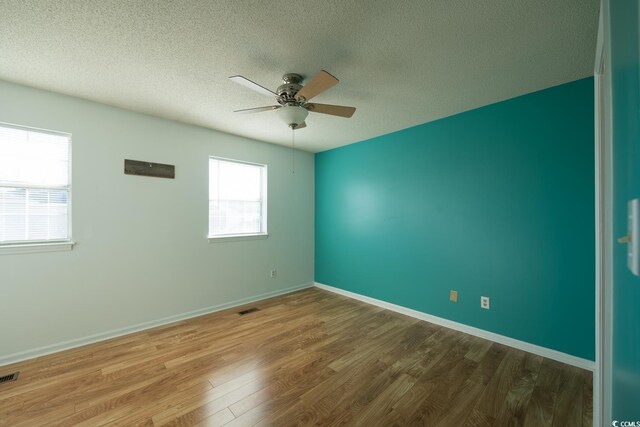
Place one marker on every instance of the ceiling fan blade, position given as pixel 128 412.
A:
pixel 257 109
pixel 321 82
pixel 301 126
pixel 334 110
pixel 252 85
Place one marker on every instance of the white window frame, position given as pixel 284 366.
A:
pixel 263 234
pixel 32 246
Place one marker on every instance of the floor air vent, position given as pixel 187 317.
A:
pixel 9 378
pixel 248 310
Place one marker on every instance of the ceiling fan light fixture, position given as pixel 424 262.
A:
pixel 292 98
pixel 292 115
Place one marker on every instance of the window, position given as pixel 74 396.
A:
pixel 35 190
pixel 237 198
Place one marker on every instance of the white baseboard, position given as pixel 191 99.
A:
pixel 511 342
pixel 78 342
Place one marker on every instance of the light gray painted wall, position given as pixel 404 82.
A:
pixel 142 251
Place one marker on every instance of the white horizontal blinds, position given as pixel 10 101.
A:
pixel 235 198
pixel 34 185
pixel 33 214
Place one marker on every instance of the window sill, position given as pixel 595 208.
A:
pixel 29 248
pixel 238 237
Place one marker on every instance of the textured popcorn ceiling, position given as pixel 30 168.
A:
pixel 401 63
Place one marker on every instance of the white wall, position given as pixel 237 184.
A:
pixel 142 251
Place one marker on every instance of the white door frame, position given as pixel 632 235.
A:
pixel 604 208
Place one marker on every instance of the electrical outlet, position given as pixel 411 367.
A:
pixel 453 296
pixel 274 273
pixel 484 302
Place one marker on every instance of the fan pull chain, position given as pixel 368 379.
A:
pixel 293 150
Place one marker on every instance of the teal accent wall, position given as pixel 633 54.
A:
pixel 625 81
pixel 497 201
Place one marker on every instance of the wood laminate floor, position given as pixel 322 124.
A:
pixel 307 358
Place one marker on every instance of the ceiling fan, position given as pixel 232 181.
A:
pixel 293 98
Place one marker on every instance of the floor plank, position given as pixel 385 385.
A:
pixel 307 358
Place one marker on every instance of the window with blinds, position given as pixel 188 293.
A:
pixel 35 187
pixel 237 198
